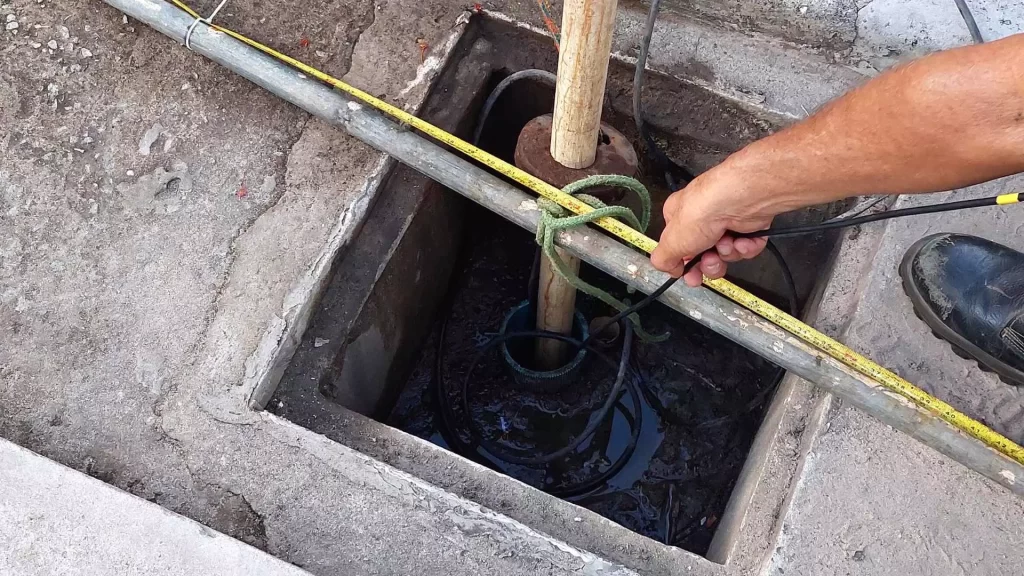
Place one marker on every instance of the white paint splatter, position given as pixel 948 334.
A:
pixel 1010 477
pixel 433 63
pixel 632 270
pixel 355 106
pixel 528 205
pixel 695 315
pixel 778 346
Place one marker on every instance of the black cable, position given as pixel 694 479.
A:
pixel 675 176
pixel 787 276
pixel 846 222
pixel 968 17
pixel 591 427
pixel 476 434
pixel 543 76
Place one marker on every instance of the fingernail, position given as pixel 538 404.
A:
pixel 712 268
pixel 724 249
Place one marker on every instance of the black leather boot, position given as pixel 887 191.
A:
pixel 970 292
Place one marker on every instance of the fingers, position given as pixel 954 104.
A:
pixel 727 251
pixel 693 278
pixel 683 238
pixel 749 247
pixel 712 266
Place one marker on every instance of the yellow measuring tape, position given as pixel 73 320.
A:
pixel 832 348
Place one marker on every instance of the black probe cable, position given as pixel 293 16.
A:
pixel 1001 200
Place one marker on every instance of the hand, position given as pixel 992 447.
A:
pixel 697 219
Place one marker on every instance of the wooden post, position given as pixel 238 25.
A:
pixel 587 27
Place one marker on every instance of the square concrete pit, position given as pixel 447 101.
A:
pixel 161 221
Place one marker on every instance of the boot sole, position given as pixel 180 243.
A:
pixel 960 345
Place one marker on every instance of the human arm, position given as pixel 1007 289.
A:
pixel 945 121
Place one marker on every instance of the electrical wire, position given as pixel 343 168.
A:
pixel 902 212
pixel 675 175
pixel 972 25
pixel 594 423
pixel 543 76
pixel 478 441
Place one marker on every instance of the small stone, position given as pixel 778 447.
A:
pixel 86 53
pixel 36 45
pixel 12 26
pixel 64 33
pixel 803 9
pixel 321 54
pixel 129 173
pixel 52 44
pixel 149 138
pixel 318 342
pixel 858 556
pixel 11 17
pixel 124 19
pixel 577 519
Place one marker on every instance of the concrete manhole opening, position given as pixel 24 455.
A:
pixel 432 278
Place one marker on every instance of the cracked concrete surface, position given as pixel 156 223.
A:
pixel 137 289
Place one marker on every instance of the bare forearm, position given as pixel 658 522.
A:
pixel 949 120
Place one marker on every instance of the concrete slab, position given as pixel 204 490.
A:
pixel 60 521
pixel 889 31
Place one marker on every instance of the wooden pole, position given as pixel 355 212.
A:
pixel 585 48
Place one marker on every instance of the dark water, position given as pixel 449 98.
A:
pixel 701 400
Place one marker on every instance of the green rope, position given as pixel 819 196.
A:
pixel 554 219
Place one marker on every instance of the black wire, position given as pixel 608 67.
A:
pixel 675 176
pixel 968 17
pixel 476 434
pixel 543 76
pixel 591 427
pixel 846 222
pixel 787 276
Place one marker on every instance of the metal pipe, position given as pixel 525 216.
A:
pixel 704 306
